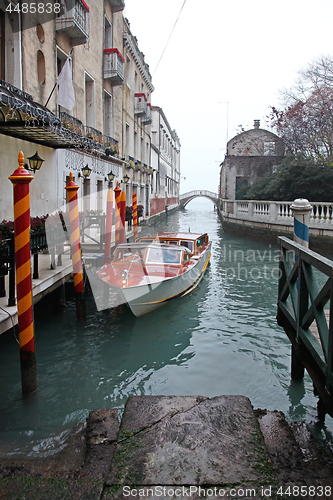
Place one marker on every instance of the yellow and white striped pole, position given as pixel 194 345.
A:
pixel 21 180
pixel 135 216
pixel 71 189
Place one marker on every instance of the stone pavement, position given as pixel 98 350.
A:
pixel 176 447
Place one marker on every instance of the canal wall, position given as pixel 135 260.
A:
pixel 266 220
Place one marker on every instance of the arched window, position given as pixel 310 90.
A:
pixel 41 67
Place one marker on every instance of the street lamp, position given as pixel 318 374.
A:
pixel 35 162
pixel 86 171
pixel 126 178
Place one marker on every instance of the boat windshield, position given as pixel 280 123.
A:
pixel 187 244
pixel 129 254
pixel 162 255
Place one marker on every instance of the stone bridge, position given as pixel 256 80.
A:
pixel 185 198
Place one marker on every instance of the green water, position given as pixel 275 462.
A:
pixel 220 339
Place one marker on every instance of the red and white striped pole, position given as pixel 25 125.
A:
pixel 21 180
pixel 135 216
pixel 71 189
pixel 117 192
pixel 123 216
pixel 108 226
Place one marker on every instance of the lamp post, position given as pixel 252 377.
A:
pixel 35 162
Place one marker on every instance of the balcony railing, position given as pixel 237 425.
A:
pixel 71 123
pixel 148 118
pixel 94 134
pixel 140 105
pixel 114 66
pixel 111 146
pixel 117 5
pixel 74 21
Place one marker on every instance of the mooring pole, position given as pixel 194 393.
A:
pixel 108 225
pixel 123 216
pixel 71 189
pixel 21 180
pixel 117 192
pixel 135 216
pixel 301 210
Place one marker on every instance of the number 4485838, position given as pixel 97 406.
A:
pixel 32 8
pixel 303 491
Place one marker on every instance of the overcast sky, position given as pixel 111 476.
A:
pixel 242 53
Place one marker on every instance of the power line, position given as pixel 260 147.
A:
pixel 169 38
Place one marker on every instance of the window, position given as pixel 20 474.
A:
pixel 40 33
pixel 142 150
pixel 108 115
pixel 61 59
pixel 86 194
pixel 128 72
pixel 128 150
pixel 136 145
pixel 107 34
pixel 136 83
pixel 41 67
pixel 147 153
pixel 90 100
pixel 100 196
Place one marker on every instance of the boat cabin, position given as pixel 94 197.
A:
pixel 155 253
pixel 194 242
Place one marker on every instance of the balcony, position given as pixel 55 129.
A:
pixel 111 146
pixel 74 21
pixel 140 105
pixel 94 134
pixel 147 118
pixel 114 66
pixel 71 123
pixel 117 5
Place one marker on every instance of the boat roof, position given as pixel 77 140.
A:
pixel 155 244
pixel 177 235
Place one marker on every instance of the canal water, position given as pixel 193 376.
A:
pixel 220 339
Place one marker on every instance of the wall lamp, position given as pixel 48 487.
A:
pixel 35 162
pixel 86 171
pixel 126 179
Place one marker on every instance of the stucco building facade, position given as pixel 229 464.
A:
pixel 165 162
pixel 109 127
pixel 250 155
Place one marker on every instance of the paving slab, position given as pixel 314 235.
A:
pixel 175 441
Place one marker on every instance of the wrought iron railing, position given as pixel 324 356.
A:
pixel 71 123
pixel 305 302
pixel 111 145
pixel 94 134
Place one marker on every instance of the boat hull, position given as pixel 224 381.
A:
pixel 145 298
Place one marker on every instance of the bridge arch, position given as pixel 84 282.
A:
pixel 185 198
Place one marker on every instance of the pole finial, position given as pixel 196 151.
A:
pixel 20 159
pixel 71 177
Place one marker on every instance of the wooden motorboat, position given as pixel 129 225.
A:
pixel 156 269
